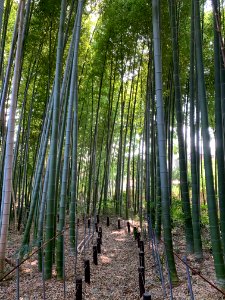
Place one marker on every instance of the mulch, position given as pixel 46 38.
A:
pixel 116 275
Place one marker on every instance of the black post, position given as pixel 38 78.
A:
pixel 135 232
pixel 100 229
pixel 147 296
pixel 119 227
pixel 107 221
pixel 95 255
pixel 96 227
pixel 99 245
pixel 89 223
pixel 87 273
pixel 141 271
pixel 142 258
pixel 138 238
pixel 97 219
pixel 78 288
pixel 100 237
pixel 128 227
pixel 141 243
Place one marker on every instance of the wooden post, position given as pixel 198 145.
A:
pixel 100 237
pixel 95 255
pixel 89 223
pixel 96 227
pixel 128 227
pixel 119 227
pixel 87 273
pixel 141 243
pixel 107 221
pixel 135 232
pixel 99 245
pixel 138 239
pixel 142 259
pixel 141 271
pixel 79 288
pixel 97 217
pixel 147 296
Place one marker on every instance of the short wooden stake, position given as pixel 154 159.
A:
pixel 99 245
pixel 100 237
pixel 135 232
pixel 78 288
pixel 96 227
pixel 141 243
pixel 89 223
pixel 87 272
pixel 97 217
pixel 119 227
pixel 138 239
pixel 147 296
pixel 142 258
pixel 95 255
pixel 128 227
pixel 141 271
pixel 107 221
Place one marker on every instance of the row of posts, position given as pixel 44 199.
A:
pixel 141 268
pixel 96 251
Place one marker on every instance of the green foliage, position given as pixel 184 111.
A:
pixel 177 215
pixel 48 8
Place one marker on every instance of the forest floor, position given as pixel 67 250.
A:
pixel 116 275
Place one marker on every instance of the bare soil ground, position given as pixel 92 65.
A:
pixel 116 275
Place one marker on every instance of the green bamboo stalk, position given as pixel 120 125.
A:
pixel 211 200
pixel 194 175
pixel 162 144
pixel 74 82
pixel 219 130
pixel 53 149
pixel 7 184
pixel 179 116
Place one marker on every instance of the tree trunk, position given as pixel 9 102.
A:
pixel 7 183
pixel 162 143
pixel 211 199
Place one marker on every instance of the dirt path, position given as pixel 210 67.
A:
pixel 115 277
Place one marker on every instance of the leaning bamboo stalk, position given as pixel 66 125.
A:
pixel 162 141
pixel 50 215
pixel 7 184
pixel 75 129
pixel 8 69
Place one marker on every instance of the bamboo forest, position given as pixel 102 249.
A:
pixel 112 149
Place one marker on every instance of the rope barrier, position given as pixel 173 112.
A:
pixel 197 272
pixel 34 252
pixel 85 241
